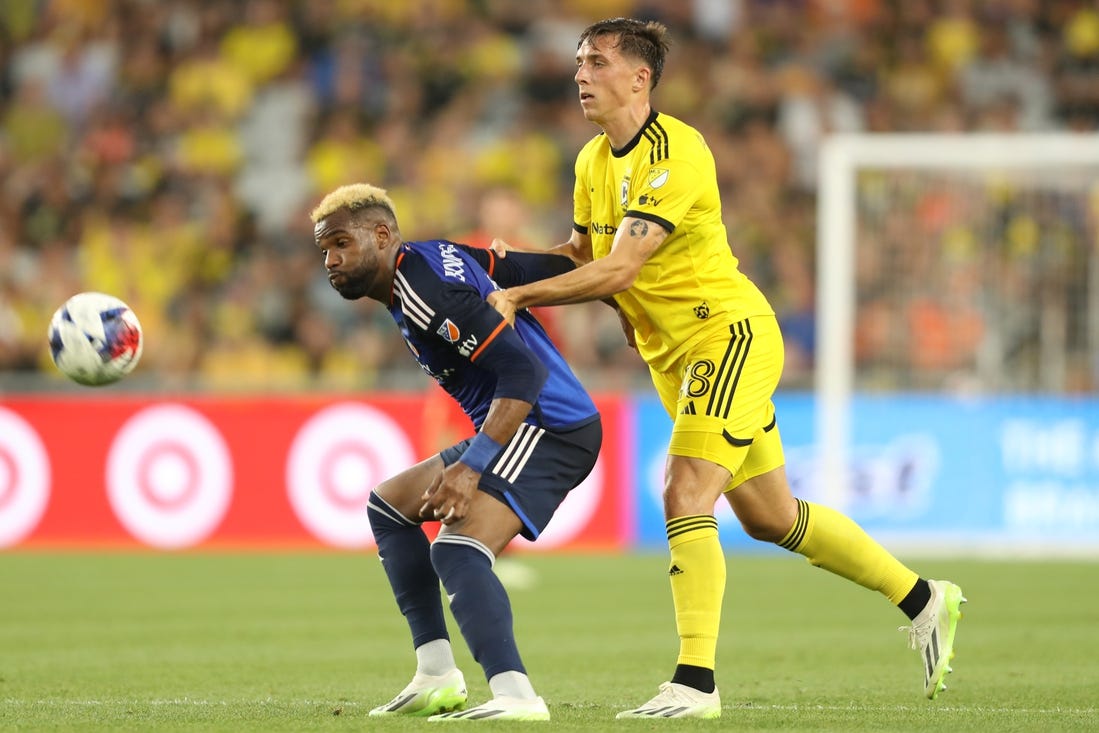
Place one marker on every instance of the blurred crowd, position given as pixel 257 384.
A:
pixel 168 151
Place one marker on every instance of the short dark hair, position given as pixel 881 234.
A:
pixel 643 39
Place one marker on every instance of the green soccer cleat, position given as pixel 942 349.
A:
pixel 932 634
pixel 678 701
pixel 500 708
pixel 428 695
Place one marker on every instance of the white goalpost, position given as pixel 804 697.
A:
pixel 951 262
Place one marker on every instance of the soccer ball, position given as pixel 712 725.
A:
pixel 95 339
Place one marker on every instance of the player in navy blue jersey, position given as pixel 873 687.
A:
pixel 538 436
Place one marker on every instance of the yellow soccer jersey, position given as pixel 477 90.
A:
pixel 690 288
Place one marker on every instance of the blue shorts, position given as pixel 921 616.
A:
pixel 536 469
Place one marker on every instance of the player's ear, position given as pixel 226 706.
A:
pixel 383 234
pixel 641 78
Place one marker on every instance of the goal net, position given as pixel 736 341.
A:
pixel 954 264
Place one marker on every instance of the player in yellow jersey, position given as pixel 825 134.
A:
pixel 647 232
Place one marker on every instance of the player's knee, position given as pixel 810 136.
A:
pixel 388 489
pixel 680 501
pixel 762 532
pixel 383 516
pixel 402 497
pixel 764 526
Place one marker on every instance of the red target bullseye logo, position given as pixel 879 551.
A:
pixel 24 478
pixel 335 460
pixel 345 473
pixel 169 476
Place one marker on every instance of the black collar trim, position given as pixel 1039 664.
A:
pixel 625 150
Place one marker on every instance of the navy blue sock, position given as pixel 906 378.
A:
pixel 406 556
pixel 478 601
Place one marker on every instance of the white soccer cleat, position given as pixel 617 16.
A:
pixel 678 701
pixel 427 695
pixel 932 634
pixel 501 708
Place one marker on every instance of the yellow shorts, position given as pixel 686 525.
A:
pixel 719 396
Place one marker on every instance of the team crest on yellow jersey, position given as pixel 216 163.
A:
pixel 624 195
pixel 658 177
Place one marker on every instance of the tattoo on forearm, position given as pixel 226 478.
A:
pixel 639 228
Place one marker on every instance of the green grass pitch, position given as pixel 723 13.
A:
pixel 311 641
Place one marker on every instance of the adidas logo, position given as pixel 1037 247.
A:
pixel 675 570
pixel 689 409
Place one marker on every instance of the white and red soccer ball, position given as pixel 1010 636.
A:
pixel 95 339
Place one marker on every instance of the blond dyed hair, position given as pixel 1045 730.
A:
pixel 353 197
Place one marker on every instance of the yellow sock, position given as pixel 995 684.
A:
pixel 832 541
pixel 697 574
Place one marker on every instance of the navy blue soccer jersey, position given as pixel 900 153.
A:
pixel 438 302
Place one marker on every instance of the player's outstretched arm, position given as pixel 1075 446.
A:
pixel 520 267
pixel 637 239
pixel 577 249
